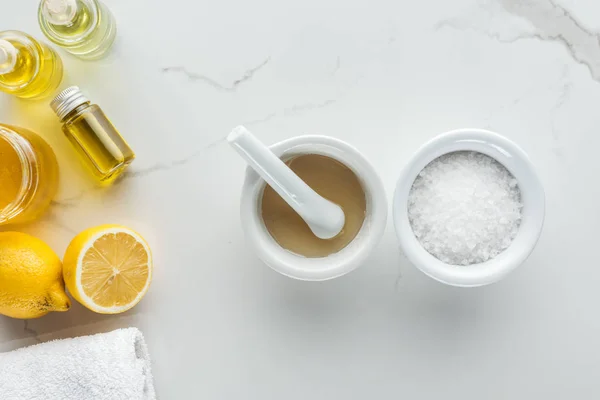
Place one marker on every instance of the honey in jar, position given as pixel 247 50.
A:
pixel 28 175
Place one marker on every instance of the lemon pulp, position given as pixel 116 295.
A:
pixel 114 270
pixel 108 268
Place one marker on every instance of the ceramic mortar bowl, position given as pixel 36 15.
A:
pixel 334 265
pixel 516 161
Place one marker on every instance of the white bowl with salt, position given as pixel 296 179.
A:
pixel 468 207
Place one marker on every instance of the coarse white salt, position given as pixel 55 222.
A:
pixel 465 208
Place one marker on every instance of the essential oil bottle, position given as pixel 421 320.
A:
pixel 94 137
pixel 84 28
pixel 28 68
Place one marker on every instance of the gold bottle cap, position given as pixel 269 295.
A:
pixel 67 100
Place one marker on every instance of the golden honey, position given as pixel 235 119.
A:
pixel 28 175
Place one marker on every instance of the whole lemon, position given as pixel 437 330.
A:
pixel 31 282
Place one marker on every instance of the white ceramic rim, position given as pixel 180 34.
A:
pixel 517 162
pixel 335 265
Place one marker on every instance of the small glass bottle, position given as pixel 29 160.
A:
pixel 84 28
pixel 28 175
pixel 94 137
pixel 28 68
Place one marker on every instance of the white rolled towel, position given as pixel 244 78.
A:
pixel 107 366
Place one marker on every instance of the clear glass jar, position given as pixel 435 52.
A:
pixel 28 175
pixel 84 28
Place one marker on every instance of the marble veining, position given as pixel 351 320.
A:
pixel 193 76
pixel 31 332
pixel 385 76
pixel 549 22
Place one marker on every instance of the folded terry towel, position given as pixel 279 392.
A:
pixel 107 366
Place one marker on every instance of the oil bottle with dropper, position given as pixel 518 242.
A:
pixel 84 28
pixel 28 68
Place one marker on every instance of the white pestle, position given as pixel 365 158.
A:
pixel 324 218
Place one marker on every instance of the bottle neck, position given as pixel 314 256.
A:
pixel 76 111
pixel 8 57
pixel 59 12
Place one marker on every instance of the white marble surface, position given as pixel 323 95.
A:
pixel 385 76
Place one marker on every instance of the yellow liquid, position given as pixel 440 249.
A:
pixel 332 180
pixel 82 22
pixel 11 174
pixel 38 71
pixel 27 185
pixel 89 36
pixel 99 144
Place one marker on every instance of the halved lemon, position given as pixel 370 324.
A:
pixel 108 268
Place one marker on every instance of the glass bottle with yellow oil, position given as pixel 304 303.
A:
pixel 28 175
pixel 84 28
pixel 94 137
pixel 28 68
